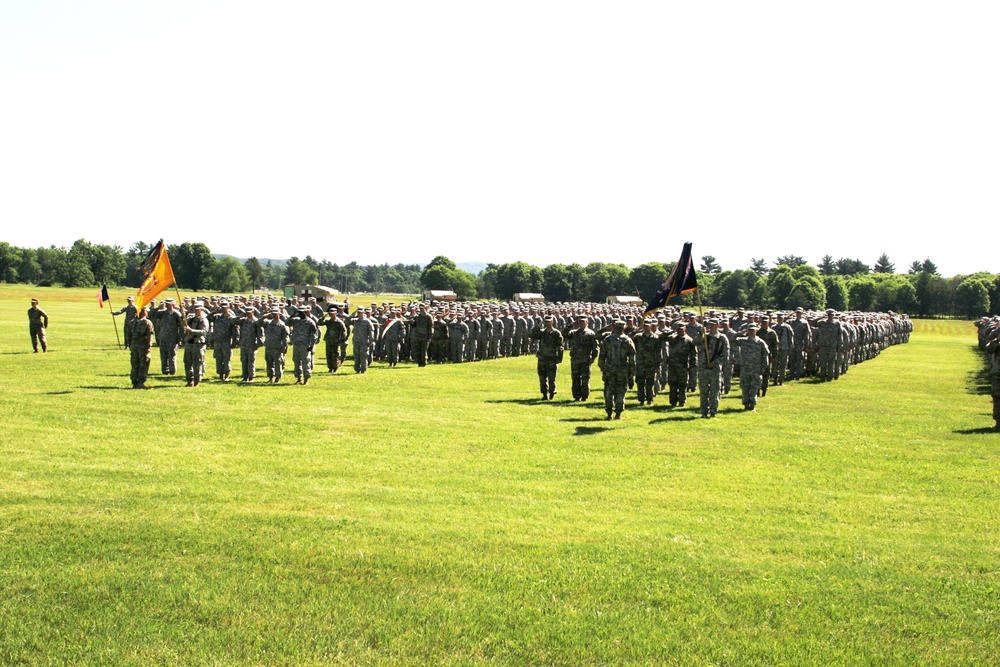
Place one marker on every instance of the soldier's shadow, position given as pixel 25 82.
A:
pixel 976 431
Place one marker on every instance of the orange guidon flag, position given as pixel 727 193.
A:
pixel 159 274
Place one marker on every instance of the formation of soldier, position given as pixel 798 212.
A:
pixel 989 342
pixel 671 351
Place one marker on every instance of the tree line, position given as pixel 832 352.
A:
pixel 195 268
pixel 787 282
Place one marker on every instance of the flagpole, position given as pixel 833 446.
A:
pixel 114 324
pixel 704 330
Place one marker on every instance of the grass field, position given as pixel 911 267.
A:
pixel 444 515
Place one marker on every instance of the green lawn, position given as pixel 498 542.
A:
pixel 444 515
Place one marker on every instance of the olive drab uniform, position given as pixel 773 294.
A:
pixel 38 322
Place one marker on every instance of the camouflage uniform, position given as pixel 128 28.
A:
pixel 458 331
pixel 171 333
pixel 140 343
pixel 617 364
pixel 683 357
pixel 754 358
pixel 423 327
pixel 336 334
pixel 550 354
pixel 275 346
pixel 802 341
pixel 224 329
pixel 305 335
pixel 251 338
pixel 195 338
pixel 829 333
pixel 38 322
pixel 648 355
pixel 130 312
pixel 583 350
pixel 713 353
pixel 364 335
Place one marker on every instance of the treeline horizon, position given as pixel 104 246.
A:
pixel 790 282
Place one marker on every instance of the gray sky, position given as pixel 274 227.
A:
pixel 535 131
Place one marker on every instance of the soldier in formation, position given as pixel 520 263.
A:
pixel 550 355
pixel 140 341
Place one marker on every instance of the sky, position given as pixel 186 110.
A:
pixel 543 132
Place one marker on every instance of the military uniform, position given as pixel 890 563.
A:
pixel 550 354
pixel 38 322
pixel 583 350
pixel 617 364
pixel 140 343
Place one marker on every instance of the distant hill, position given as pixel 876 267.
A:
pixel 475 268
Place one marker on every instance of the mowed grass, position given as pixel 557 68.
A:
pixel 445 515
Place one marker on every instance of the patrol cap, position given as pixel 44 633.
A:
pixel 620 324
pixel 752 325
pixel 830 311
pixel 713 320
pixel 799 310
pixel 549 318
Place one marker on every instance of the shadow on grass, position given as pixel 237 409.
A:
pixel 590 430
pixel 17 352
pixel 58 393
pixel 977 382
pixel 977 431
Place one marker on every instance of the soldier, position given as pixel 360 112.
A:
pixel 140 340
pixel 38 322
pixel 802 342
pixel 275 346
pixel 583 350
pixel 458 331
pixel 224 329
pixel 423 327
pixel 992 346
pixel 364 335
pixel 770 338
pixel 754 358
pixel 195 335
pixel 336 333
pixel 171 334
pixel 550 355
pixel 648 354
pixel 617 364
pixel 694 329
pixel 392 333
pixel 829 333
pixel 713 352
pixel 786 342
pixel 727 368
pixel 305 335
pixel 683 357
pixel 439 339
pixel 130 312
pixel 251 338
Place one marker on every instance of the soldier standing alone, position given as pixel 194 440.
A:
pixel 38 322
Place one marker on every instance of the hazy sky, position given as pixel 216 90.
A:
pixel 535 131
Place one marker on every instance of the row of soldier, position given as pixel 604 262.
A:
pixel 989 342
pixel 439 332
pixel 676 351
